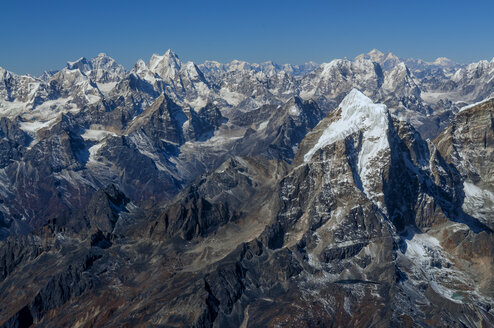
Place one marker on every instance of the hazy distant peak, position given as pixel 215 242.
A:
pixel 443 61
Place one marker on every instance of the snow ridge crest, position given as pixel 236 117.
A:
pixel 358 112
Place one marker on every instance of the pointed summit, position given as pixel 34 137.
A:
pixel 365 125
pixel 102 58
pixel 374 55
pixel 376 52
pixel 402 69
pixel 169 58
pixel 105 63
pixel 171 54
pixel 167 65
pixel 358 113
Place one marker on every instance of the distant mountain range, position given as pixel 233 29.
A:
pixel 351 193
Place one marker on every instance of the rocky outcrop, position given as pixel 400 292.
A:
pixel 468 144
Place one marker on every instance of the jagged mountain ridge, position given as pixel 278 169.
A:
pixel 229 109
pixel 367 227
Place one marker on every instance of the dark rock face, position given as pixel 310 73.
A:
pixel 468 145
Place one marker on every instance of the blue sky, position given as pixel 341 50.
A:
pixel 43 35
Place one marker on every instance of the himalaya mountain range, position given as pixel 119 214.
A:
pixel 352 193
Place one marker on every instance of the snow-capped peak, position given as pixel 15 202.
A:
pixel 376 52
pixel 377 56
pixel 103 60
pixel 360 114
pixel 170 54
pixel 167 65
pixel 355 96
pixel 169 58
pixel 398 73
pixel 328 68
pixel 387 60
pixel 140 65
pixel 443 61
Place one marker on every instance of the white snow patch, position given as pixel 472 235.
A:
pixel 475 104
pixel 433 97
pixel 198 103
pixel 263 125
pixel 92 99
pixel 478 202
pixel 12 108
pixel 294 110
pixel 105 88
pixel 51 109
pixel 233 98
pixel 422 250
pixel 96 135
pixel 418 247
pixel 32 127
pixel 93 150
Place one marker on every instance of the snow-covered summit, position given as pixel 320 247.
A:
pixel 100 69
pixel 387 60
pixel 166 65
pixel 358 112
pixel 443 61
pixel 369 122
pixel 103 61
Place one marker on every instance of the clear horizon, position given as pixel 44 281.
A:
pixel 40 36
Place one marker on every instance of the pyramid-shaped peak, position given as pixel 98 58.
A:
pixel 390 55
pixel 358 113
pixel 170 53
pixel 353 98
pixel 374 55
pixel 103 59
pixel 169 60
